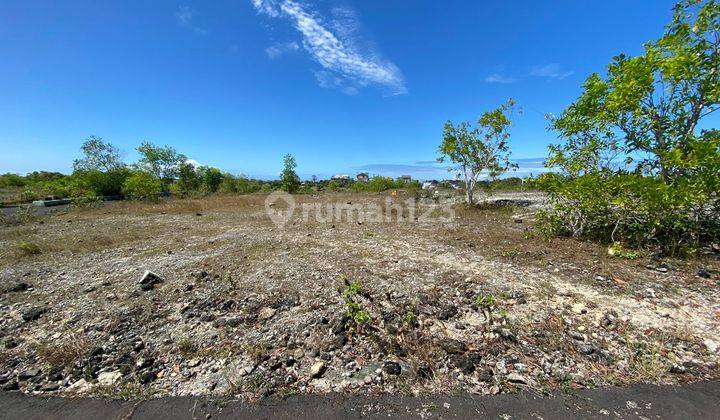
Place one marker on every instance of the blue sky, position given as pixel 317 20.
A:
pixel 343 85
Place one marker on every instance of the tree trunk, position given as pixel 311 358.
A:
pixel 469 193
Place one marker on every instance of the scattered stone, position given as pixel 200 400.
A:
pixel 79 387
pixel 453 346
pixel 109 378
pixel 147 377
pixel 576 335
pixel 677 369
pixel 33 313
pixel 267 313
pixel 9 342
pixel 50 387
pixel 424 371
pixel 586 349
pixel 447 312
pixel 28 374
pixel 466 363
pixel 317 370
pixel 703 273
pixel 711 345
pixel 392 368
pixel 486 375
pixel 579 308
pixel 516 378
pixel 20 286
pixel 11 386
pixel 149 280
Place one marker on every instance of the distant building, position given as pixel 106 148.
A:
pixel 341 177
pixel 405 178
pixel 363 177
pixel 430 185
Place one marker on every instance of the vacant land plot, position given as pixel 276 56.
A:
pixel 244 307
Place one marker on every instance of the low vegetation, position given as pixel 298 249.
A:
pixel 636 162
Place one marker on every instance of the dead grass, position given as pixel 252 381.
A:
pixel 63 354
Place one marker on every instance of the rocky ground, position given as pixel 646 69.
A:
pixel 237 306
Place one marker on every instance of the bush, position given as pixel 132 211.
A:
pixel 142 186
pixel 228 185
pixel 640 211
pixel 28 248
pixel 97 183
pixel 12 180
pixel 211 179
pixel 333 186
pixel 29 194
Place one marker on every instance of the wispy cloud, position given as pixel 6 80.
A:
pixel 499 78
pixel 552 70
pixel 185 17
pixel 277 50
pixel 327 80
pixel 333 49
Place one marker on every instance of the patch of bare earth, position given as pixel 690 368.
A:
pixel 476 303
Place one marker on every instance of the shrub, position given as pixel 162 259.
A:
pixel 639 211
pixel 28 248
pixel 29 194
pixel 12 180
pixel 142 186
pixel 98 183
pixel 333 186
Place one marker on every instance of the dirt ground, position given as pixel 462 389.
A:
pixel 451 300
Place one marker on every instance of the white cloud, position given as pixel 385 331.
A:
pixel 552 70
pixel 499 78
pixel 194 163
pixel 185 16
pixel 277 50
pixel 268 7
pixel 328 80
pixel 334 51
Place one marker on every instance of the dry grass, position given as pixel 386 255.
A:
pixel 63 354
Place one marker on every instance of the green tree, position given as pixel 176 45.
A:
pixel 163 162
pixel 289 180
pixel 211 178
pixel 484 148
pixel 646 113
pixel 142 186
pixel 647 109
pixel 188 179
pixel 99 155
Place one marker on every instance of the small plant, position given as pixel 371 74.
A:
pixel 411 318
pixel 357 316
pixel 187 347
pixel 616 250
pixel 230 281
pixel 26 214
pixel 511 253
pixel 356 313
pixel 28 248
pixel 485 301
pixel 354 288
